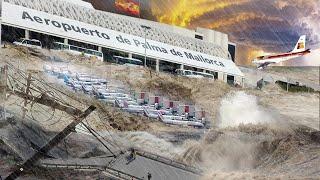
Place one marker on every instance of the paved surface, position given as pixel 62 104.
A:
pixel 138 167
pixel 141 166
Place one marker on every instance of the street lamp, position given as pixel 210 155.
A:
pixel 145 42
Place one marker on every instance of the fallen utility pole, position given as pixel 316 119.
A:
pixel 46 148
pixel 48 101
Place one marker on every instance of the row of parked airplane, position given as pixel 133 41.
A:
pixel 154 107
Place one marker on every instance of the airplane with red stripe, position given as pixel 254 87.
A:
pixel 299 50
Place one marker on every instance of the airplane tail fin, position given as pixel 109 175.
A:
pixel 301 44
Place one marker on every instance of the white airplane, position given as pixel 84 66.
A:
pixel 299 50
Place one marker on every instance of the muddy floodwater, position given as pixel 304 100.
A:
pixel 250 133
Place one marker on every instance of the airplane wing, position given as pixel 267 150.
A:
pixel 264 65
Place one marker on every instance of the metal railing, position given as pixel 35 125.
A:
pixel 169 162
pixel 109 170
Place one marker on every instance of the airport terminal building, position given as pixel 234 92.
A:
pixel 166 48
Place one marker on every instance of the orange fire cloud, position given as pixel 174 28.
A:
pixel 182 12
pixel 240 18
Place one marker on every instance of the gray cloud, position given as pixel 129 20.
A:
pixel 274 25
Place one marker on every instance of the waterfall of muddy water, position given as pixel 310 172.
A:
pixel 151 143
pixel 240 108
pixel 230 150
pixel 227 148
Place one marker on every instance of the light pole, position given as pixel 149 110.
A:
pixel 145 43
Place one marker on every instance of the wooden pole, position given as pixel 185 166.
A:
pixel 48 101
pixel 29 163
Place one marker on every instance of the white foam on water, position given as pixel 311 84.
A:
pixel 241 108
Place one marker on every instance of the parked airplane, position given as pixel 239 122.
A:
pixel 299 50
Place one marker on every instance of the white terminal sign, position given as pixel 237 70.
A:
pixel 39 21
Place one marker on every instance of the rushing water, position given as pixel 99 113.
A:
pixel 241 108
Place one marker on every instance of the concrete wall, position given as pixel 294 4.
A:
pixel 165 27
pixel 214 37
pixel 220 76
pixel 183 31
